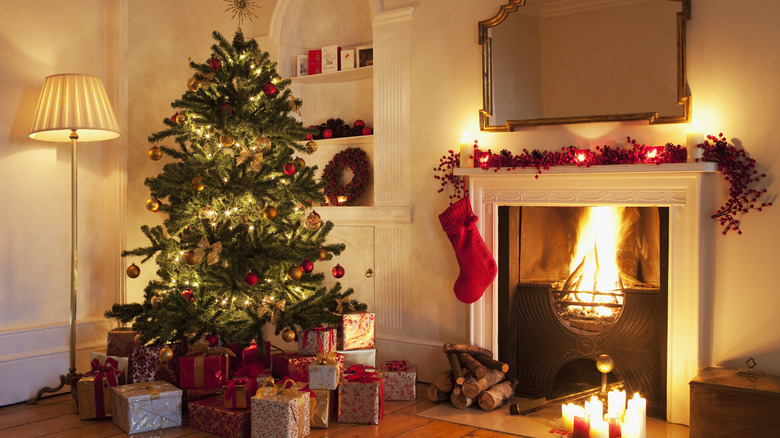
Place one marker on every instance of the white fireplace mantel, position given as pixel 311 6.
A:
pixel 686 188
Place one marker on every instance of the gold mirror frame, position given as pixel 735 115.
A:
pixel 683 96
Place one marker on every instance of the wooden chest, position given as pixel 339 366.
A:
pixel 725 404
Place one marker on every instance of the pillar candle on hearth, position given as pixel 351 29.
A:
pixel 594 408
pixel 569 411
pixel 636 413
pixel 581 427
pixel 616 402
pixel 614 425
pixel 598 428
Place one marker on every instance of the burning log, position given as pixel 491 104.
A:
pixel 465 348
pixel 473 387
pixel 444 381
pixel 436 395
pixel 460 401
pixel 495 396
pixel 492 363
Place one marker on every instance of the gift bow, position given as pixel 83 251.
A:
pixel 275 307
pixel 318 331
pixel 326 358
pixel 108 371
pixel 255 159
pixel 341 303
pixel 363 374
pixel 215 250
pixel 231 395
pixel 396 365
pixel 201 348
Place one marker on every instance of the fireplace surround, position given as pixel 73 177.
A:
pixel 687 189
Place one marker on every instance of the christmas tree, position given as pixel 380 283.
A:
pixel 240 240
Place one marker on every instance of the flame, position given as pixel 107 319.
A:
pixel 595 258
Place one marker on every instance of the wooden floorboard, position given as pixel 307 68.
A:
pixel 56 417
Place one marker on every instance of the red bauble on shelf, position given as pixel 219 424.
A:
pixel 338 271
pixel 307 266
pixel 367 130
pixel 360 123
pixel 327 133
pixel 289 168
pixel 250 278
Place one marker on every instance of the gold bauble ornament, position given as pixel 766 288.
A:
pixel 269 212
pixel 227 139
pixel 155 153
pixel 313 221
pixel 311 146
pixel 193 84
pixel 197 182
pixel 295 273
pixel 263 143
pixel 207 212
pixel 299 163
pixel 181 119
pixel 133 271
pixel 153 204
pixel 166 354
pixel 137 339
pixel 245 218
pixel 323 254
pixel 288 335
pixel 276 79
pixel 190 258
pixel 156 301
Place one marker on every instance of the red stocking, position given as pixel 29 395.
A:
pixel 477 266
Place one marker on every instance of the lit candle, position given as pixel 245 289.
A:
pixel 466 152
pixel 693 139
pixel 653 153
pixel 614 425
pixel 581 427
pixel 636 413
pixel 341 200
pixel 581 155
pixel 629 430
pixel 616 402
pixel 569 411
pixel 598 428
pixel 594 408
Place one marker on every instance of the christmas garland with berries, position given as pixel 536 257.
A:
pixel 354 159
pixel 737 169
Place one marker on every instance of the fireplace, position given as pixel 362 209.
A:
pixel 685 191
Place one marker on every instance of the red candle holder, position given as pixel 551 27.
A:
pixel 481 158
pixel 652 154
pixel 582 155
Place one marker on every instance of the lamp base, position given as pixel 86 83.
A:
pixel 70 379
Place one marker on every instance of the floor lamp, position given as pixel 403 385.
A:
pixel 75 107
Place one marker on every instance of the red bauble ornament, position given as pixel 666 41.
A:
pixel 307 266
pixel 327 133
pixel 269 89
pixel 187 293
pixel 215 64
pixel 309 136
pixel 250 279
pixel 367 130
pixel 213 340
pixel 359 123
pixel 289 168
pixel 338 271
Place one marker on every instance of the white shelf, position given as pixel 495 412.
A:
pixel 354 74
pixel 357 139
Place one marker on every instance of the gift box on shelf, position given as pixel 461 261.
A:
pixel 295 366
pixel 120 341
pixel 94 388
pixel 361 396
pixel 210 415
pixel 123 363
pixel 400 380
pixel 324 372
pixel 317 340
pixel 323 408
pixel 365 357
pixel 147 366
pixel 203 370
pixel 251 355
pixel 146 406
pixel 281 411
pixel 238 392
pixel 356 331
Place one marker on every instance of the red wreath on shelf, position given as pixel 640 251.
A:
pixel 354 159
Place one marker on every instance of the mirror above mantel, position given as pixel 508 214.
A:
pixel 551 62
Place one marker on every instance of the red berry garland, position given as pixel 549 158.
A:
pixel 354 159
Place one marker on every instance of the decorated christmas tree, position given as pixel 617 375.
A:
pixel 238 246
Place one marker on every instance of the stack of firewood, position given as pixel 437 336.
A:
pixel 474 376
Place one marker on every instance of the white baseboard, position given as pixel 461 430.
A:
pixel 427 355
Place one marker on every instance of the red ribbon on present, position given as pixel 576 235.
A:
pixel 107 371
pixel 317 330
pixel 363 374
pixel 252 370
pixel 231 395
pixel 396 365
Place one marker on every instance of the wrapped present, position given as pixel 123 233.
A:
pixel 324 372
pixel 120 342
pixel 146 365
pixel 295 366
pixel 317 340
pixel 146 406
pixel 194 394
pixel 262 377
pixel 203 370
pixel 251 354
pixel 281 412
pixel 365 357
pixel 356 331
pixel 210 415
pixel 238 393
pixel 323 404
pixel 400 380
pixel 94 388
pixel 361 396
pixel 123 363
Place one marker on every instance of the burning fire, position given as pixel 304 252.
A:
pixel 595 277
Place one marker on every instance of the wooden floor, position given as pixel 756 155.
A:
pixel 55 417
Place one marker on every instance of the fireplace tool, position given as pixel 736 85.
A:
pixel 528 406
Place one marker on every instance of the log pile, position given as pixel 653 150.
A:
pixel 474 378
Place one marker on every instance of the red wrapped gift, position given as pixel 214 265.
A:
pixel 238 392
pixel 356 331
pixel 210 415
pixel 317 340
pixel 251 355
pixel 295 366
pixel 195 394
pixel 361 396
pixel 201 370
pixel 94 388
pixel 400 380
pixel 120 342
pixel 146 365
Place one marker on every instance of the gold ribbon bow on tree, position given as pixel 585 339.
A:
pixel 343 304
pixel 201 348
pixel 214 250
pixel 255 159
pixel 270 304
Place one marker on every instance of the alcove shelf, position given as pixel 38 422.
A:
pixel 353 74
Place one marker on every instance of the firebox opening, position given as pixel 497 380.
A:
pixel 576 282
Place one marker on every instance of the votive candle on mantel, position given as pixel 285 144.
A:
pixel 653 153
pixel 466 152
pixel 581 155
pixel 616 402
pixel 692 139
pixel 598 428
